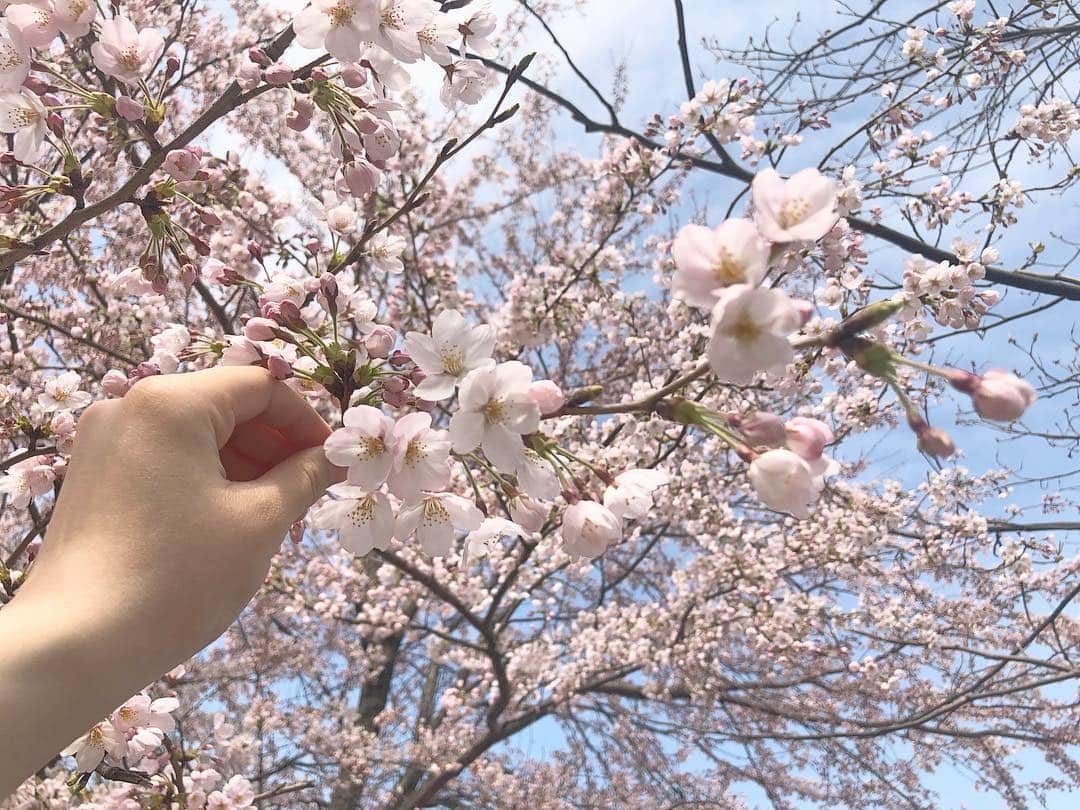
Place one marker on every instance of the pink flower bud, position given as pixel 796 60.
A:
pixel 50 100
pixel 354 75
pixel 304 106
pixel 289 315
pixel 361 177
pixel 255 250
pixel 529 514
pixel 329 286
pixel 319 75
pixel 259 57
pixel 807 437
pixel 278 367
pixel 296 122
pixel 172 66
pixel 380 341
pixel 547 395
pixel 417 376
pixel 400 359
pixel 115 383
pixel 260 328
pixel 209 218
pixel 279 74
pixel 395 384
pixel 182 164
pixel 296 531
pixel 248 75
pixel 1002 396
pixel 395 399
pixel 760 428
pixel 188 274
pixel 935 442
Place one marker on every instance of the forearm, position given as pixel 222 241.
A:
pixel 58 676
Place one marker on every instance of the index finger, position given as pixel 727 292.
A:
pixel 237 394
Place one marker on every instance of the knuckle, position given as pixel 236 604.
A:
pixel 150 395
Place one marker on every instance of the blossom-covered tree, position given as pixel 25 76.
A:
pixel 615 416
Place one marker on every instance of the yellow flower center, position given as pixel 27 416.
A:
pixel 792 212
pixel 341 13
pixel 370 447
pixel 414 453
pixel 728 269
pixel 494 412
pixel 363 513
pixel 745 330
pixel 434 512
pixel 453 359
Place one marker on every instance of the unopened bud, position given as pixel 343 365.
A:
pixel 259 57
pixel 278 367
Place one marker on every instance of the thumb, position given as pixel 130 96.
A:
pixel 285 491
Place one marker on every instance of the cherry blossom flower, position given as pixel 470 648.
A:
pixel 339 214
pixel 784 481
pixel 104 739
pixel 588 529
pixel 75 17
pixel 35 22
pixel 62 393
pixel 476 29
pixel 140 711
pixel 630 497
pixel 399 23
pixel 537 477
pixel 435 37
pixel 451 351
pixel 124 52
pixel 14 58
pixel 434 518
pixel 182 164
pixel 364 520
pixel 384 251
pixel 749 333
pixel 365 445
pixel 496 410
pixel 25 480
pixel 421 457
pixel 1002 396
pixel 801 208
pixel 383 142
pixel 708 260
pixel 341 27
pixel 466 81
pixel 24 115
pixel 236 794
pixel 483 541
pixel 529 513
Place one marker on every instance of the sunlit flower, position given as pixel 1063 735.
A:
pixel 495 412
pixel 124 52
pixel 363 520
pixel 451 351
pixel 434 519
pixel 708 260
pixel 749 333
pixel 801 208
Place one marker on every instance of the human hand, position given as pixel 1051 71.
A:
pixel 175 500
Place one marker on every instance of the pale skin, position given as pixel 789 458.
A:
pixel 175 500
